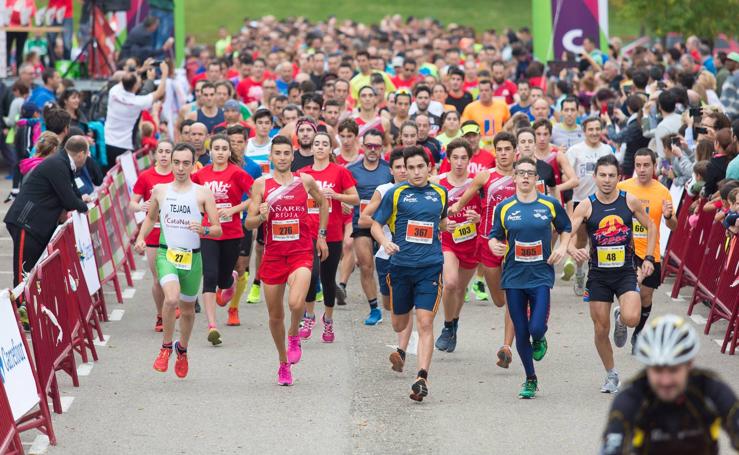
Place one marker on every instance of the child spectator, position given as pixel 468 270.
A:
pixel 731 221
pixel 148 136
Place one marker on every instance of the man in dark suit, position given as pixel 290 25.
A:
pixel 49 190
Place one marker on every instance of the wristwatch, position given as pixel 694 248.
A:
pixel 206 230
pixel 322 233
pixel 649 258
pixel 668 217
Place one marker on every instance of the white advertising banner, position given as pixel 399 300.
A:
pixel 129 173
pixel 84 246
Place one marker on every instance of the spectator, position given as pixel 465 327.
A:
pixel 140 41
pixel 19 92
pixel 163 11
pixel 670 123
pixel 730 89
pixel 46 93
pixel 48 143
pixel 630 135
pixel 719 161
pixel 124 108
pixel 47 192
pixel 70 102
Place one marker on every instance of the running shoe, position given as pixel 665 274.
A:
pixel 284 376
pixel 180 365
pixel 214 336
pixel 374 318
pixel 319 296
pixel 340 295
pixel 579 285
pixel 620 331
pixel 611 383
pixel 159 325
pixel 466 296
pixel 540 349
pixel 328 330
pixel 505 357
pixel 255 295
pixel 177 312
pixel 197 306
pixel 224 296
pixel 480 293
pixel 306 328
pixel 397 360
pixel 233 317
pixel 568 270
pixel 419 390
pixel 452 341
pixel 162 362
pixel 293 349
pixel 529 389
pixel 442 343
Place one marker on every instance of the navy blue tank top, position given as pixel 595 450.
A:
pixel 211 122
pixel 609 229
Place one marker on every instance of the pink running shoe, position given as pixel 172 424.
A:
pixel 227 294
pixel 328 330
pixel 293 349
pixel 284 376
pixel 307 329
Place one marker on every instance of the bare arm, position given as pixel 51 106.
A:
pixel 312 188
pixel 641 215
pixel 379 235
pixel 255 216
pixel 209 205
pixel 581 212
pixel 365 218
pixel 149 221
pixel 571 180
pixel 477 183
pixel 162 88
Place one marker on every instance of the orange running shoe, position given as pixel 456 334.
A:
pixel 162 362
pixel 180 365
pixel 177 313
pixel 159 325
pixel 233 317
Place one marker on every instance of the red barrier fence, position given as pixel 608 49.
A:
pixel 10 440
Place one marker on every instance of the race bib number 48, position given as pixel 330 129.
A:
pixel 180 258
pixel 419 232
pixel 529 251
pixel 611 256
pixel 285 230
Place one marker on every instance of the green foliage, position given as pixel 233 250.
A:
pixel 704 18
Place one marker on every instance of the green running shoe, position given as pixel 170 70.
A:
pixel 466 296
pixel 529 389
pixel 540 349
pixel 319 296
pixel 479 289
pixel 569 270
pixel 254 294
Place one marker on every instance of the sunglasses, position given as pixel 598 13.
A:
pixel 373 146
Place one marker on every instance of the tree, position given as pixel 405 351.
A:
pixel 704 18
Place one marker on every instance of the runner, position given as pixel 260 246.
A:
pixel 178 206
pixel 237 137
pixel 279 204
pixel 522 232
pixel 583 156
pixel 338 186
pixel 526 147
pixel 142 189
pixel 458 242
pixel 607 215
pixel 416 213
pixel 382 259
pixel 671 406
pixel 369 116
pixel 229 184
pixel 258 149
pixel 209 114
pixel 657 202
pixel 496 185
pixel 568 132
pixel 369 173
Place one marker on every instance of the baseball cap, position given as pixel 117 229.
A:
pixel 733 56
pixel 231 105
pixel 397 61
pixel 472 128
pixel 28 109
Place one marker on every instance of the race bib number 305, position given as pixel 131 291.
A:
pixel 285 230
pixel 419 232
pixel 464 232
pixel 180 258
pixel 611 256
pixel 529 251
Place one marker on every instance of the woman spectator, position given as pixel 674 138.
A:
pixel 70 101
pixel 46 145
pixel 449 127
pixel 719 161
pixel 705 86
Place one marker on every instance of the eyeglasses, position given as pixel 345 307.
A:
pixel 523 173
pixel 373 146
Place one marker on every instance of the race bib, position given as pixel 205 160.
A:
pixel 529 251
pixel 180 258
pixel 265 168
pixel 611 256
pixel 224 205
pixel 362 204
pixel 540 187
pixel 464 232
pixel 638 230
pixel 314 208
pixel 285 230
pixel 419 232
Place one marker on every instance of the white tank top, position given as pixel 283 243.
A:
pixel 175 215
pixel 381 253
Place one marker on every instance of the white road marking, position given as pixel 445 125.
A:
pixel 40 445
pixel 97 342
pixel 138 275
pixel 720 342
pixel 84 369
pixel 66 403
pixel 698 319
pixel 116 315
pixel 128 293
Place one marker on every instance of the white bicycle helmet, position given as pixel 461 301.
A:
pixel 668 340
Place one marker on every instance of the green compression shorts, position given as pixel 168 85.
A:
pixel 189 279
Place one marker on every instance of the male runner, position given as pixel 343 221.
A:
pixel 458 242
pixel 607 216
pixel 415 212
pixel 526 147
pixel 178 206
pixel 369 173
pixel 496 185
pixel 142 189
pixel 382 259
pixel 671 407
pixel 209 114
pixel 522 232
pixel 657 202
pixel 279 204
pixel 568 132
pixel 583 156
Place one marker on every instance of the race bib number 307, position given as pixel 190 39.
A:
pixel 419 232
pixel 285 230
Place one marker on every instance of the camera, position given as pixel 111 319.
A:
pixel 695 112
pixel 700 130
pixel 675 140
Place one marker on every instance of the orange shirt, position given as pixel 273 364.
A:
pixel 651 197
pixel 490 118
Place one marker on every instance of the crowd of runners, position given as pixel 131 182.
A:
pixel 438 169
